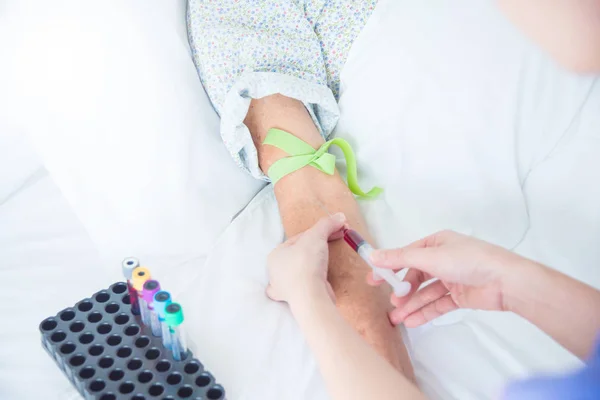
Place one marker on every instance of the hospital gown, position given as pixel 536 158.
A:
pixel 245 49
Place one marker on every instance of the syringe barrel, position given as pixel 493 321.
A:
pixel 401 288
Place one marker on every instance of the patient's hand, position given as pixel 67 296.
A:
pixel 299 265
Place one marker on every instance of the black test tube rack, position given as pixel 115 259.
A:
pixel 108 354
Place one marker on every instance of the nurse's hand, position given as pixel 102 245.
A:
pixel 470 273
pixel 298 267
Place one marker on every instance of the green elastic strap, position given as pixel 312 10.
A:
pixel 302 154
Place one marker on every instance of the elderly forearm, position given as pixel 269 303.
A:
pixel 301 197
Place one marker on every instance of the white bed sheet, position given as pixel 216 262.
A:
pixel 487 139
pixel 47 261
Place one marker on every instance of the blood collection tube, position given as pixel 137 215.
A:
pixel 128 265
pixel 161 300
pixel 151 286
pixel 174 319
pixel 139 276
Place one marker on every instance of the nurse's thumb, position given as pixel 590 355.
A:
pixel 327 226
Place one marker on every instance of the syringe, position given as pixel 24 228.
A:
pixel 364 250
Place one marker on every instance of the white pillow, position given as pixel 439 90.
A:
pixel 109 96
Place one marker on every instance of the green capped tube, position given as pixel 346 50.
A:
pixel 174 320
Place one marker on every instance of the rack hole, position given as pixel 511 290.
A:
pixel 145 376
pixel 106 362
pixel 114 340
pixel 49 324
pixel 77 360
pixel 86 338
pixel 132 330
pixel 138 397
pixel 126 299
pixel 214 393
pixel 58 336
pixel 97 385
pixel 112 308
pixel 77 326
pixel 102 297
pixel 134 364
pixel 119 288
pixel 174 378
pixel 156 390
pixel 163 366
pixel 121 319
pixel 126 387
pixel 124 352
pixel 67 315
pixel 153 353
pixel 85 306
pixel 203 380
pixel 185 391
pixel 191 368
pixel 104 328
pixel 94 317
pixel 67 348
pixel 116 374
pixel 142 342
pixel 96 350
pixel 87 372
pixel 108 396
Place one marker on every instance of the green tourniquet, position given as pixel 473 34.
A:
pixel 302 154
pixel 173 314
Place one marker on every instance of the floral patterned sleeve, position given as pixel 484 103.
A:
pixel 245 49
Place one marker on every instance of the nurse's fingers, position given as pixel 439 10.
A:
pixel 327 226
pixel 423 254
pixel 429 260
pixel 431 311
pixel 293 239
pixel 271 294
pixel 415 278
pixel 419 300
pixel 372 280
pixel 437 239
pixel 337 235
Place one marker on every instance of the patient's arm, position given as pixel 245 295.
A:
pixel 300 196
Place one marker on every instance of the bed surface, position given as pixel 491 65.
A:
pixel 484 135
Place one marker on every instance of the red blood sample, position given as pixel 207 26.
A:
pixel 353 239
